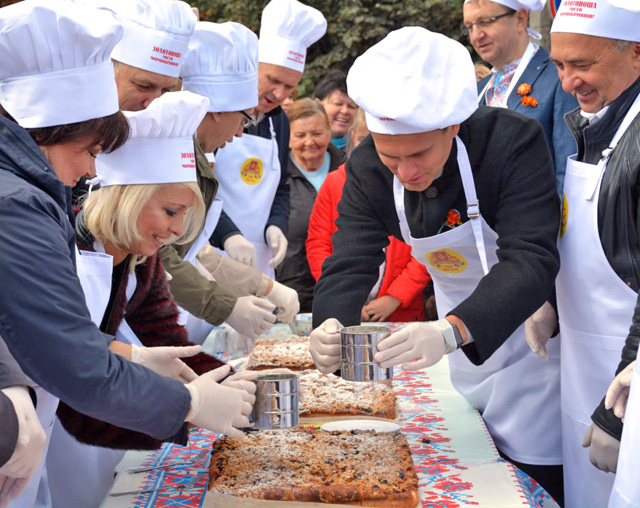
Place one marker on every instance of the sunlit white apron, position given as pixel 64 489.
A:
pixel 595 310
pixel 80 475
pixel 522 65
pixel 94 271
pixel 198 329
pixel 248 171
pixel 516 392
pixel 37 492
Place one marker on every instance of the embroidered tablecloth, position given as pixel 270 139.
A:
pixel 456 461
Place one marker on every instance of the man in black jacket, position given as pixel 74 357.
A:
pixel 432 157
pixel 597 53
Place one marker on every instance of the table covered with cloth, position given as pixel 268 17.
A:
pixel 454 456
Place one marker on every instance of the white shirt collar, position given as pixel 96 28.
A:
pixel 595 117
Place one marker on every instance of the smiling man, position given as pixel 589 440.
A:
pixel 253 171
pixel 596 48
pixel 432 152
pixel 498 32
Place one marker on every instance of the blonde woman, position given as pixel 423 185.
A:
pixel 148 198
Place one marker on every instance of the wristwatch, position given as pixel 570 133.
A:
pixel 452 338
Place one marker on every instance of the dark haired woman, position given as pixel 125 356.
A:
pixel 60 92
pixel 341 110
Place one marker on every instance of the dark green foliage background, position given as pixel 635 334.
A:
pixel 353 26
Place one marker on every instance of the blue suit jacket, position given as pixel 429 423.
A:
pixel 553 103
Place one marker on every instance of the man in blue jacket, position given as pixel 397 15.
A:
pixel 523 78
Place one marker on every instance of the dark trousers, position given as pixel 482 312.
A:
pixel 550 478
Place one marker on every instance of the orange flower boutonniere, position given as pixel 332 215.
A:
pixel 524 90
pixel 529 101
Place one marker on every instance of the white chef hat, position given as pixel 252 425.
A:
pixel 55 66
pixel 287 29
pixel 222 65
pixel 530 5
pixel 414 81
pixel 160 148
pixel 156 33
pixel 630 5
pixel 619 19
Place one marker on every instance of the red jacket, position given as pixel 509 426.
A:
pixel 404 277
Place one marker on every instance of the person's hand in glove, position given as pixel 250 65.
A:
pixel 11 488
pixel 166 360
pixel 286 299
pixel 278 243
pixel 539 328
pixel 416 347
pixel 618 391
pixel 240 249
pixel 603 449
pixel 244 380
pixel 217 407
pixel 325 346
pixel 252 316
pixel 27 454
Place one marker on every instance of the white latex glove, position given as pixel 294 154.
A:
pixel 31 438
pixel 287 301
pixel 252 316
pixel 539 328
pixel 603 449
pixel 11 488
pixel 219 408
pixel 244 380
pixel 240 249
pixel 278 243
pixel 165 360
pixel 325 346
pixel 618 391
pixel 416 346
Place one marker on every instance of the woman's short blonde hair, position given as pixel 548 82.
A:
pixel 305 108
pixel 111 213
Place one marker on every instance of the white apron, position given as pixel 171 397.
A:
pixel 94 271
pixel 626 488
pixel 248 171
pixel 517 394
pixel 592 332
pixel 81 475
pixel 522 65
pixel 198 329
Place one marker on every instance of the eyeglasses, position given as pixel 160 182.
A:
pixel 248 119
pixel 483 23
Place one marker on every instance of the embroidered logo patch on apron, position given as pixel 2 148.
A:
pixel 251 171
pixel 447 261
pixel 565 215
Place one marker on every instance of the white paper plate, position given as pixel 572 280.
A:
pixel 377 425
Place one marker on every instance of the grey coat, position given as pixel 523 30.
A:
pixel 294 271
